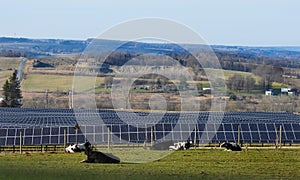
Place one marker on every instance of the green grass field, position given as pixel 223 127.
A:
pixel 192 164
pixel 41 82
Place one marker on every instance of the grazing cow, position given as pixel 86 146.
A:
pixel 75 148
pixel 98 157
pixel 231 146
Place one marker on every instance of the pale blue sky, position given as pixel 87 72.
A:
pixel 229 22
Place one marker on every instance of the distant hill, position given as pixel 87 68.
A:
pixel 41 46
pixel 286 56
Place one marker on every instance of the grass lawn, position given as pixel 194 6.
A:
pixel 192 164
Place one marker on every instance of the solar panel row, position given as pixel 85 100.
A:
pixel 22 118
pixel 46 126
pixel 216 133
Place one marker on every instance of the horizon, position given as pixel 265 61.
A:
pixel 230 23
pixel 225 45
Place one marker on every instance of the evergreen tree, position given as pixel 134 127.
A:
pixel 12 92
pixel 6 91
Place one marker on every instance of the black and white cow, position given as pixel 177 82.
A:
pixel 181 146
pixel 231 146
pixel 75 148
pixel 98 157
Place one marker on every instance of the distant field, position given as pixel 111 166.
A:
pixel 4 75
pixel 192 164
pixel 7 65
pixel 229 73
pixel 41 82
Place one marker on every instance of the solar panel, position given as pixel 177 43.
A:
pixel 262 127
pixel 253 127
pixel 200 127
pixel 3 132
pixel 245 127
pixel 10 141
pixel 41 126
pixel 264 137
pixel 272 135
pixel 28 140
pixel 54 139
pixel 168 127
pixel 37 131
pixel 133 137
pixel 221 135
pixel 80 138
pixel 229 136
pixel 159 127
pixel 255 136
pixel 287 127
pixel 297 135
pixel 11 132
pixel 2 141
pixel 29 132
pixel 177 136
pixel 142 137
pixel 296 127
pixel 45 139
pixel 71 139
pixel 54 131
pixel 37 141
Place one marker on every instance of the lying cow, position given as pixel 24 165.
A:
pixel 75 148
pixel 98 157
pixel 181 146
pixel 231 146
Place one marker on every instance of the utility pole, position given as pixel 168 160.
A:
pixel 71 98
pixel 47 100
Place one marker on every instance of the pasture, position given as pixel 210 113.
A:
pixel 191 164
pixel 41 82
pixel 7 65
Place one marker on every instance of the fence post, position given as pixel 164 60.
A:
pixel 239 134
pixel 195 136
pixel 280 135
pixel 20 142
pixel 152 136
pixel 108 138
pixel 65 138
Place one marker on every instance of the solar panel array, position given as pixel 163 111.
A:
pixel 47 126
